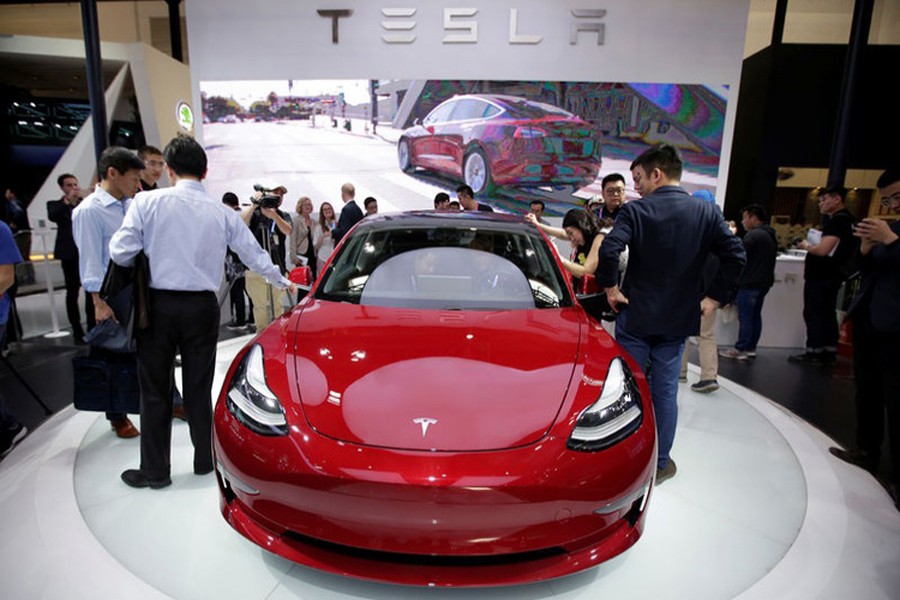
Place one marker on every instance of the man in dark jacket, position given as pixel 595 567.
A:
pixel 65 250
pixel 351 214
pixel 757 279
pixel 669 235
pixel 875 314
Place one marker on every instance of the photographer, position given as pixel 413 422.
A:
pixel 271 227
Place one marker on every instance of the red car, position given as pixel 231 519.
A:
pixel 487 140
pixel 439 411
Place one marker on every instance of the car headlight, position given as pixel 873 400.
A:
pixel 251 401
pixel 614 416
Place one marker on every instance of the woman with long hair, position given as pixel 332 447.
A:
pixel 323 242
pixel 582 231
pixel 302 235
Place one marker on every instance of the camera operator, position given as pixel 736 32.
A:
pixel 271 227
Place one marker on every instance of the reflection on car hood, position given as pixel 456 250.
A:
pixel 433 380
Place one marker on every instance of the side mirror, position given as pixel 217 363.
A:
pixel 302 276
pixel 597 306
pixel 417 121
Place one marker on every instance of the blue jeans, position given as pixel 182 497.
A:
pixel 749 304
pixel 660 358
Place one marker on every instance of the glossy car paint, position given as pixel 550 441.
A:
pixel 488 495
pixel 523 143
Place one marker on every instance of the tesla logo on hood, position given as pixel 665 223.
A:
pixel 425 422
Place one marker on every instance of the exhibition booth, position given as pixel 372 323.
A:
pixel 759 508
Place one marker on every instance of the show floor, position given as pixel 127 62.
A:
pixel 759 509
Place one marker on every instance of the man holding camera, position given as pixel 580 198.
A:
pixel 271 227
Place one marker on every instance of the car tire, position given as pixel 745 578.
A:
pixel 477 172
pixel 404 156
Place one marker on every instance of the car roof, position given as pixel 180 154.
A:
pixel 433 218
pixel 515 105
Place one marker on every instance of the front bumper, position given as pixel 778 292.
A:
pixel 434 519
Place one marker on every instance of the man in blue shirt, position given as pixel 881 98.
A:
pixel 184 234
pixel 11 431
pixel 94 221
pixel 669 235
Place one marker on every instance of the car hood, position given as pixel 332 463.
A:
pixel 433 380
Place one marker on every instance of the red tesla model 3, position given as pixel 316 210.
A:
pixel 486 140
pixel 439 410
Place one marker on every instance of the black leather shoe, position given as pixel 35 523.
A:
pixel 894 491
pixel 136 479
pixel 857 457
pixel 203 470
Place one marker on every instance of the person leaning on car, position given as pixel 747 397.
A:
pixel 185 235
pixel 669 235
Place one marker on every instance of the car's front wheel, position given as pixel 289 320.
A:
pixel 477 172
pixel 404 157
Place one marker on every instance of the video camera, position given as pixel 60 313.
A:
pixel 267 199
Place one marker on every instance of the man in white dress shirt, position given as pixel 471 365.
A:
pixel 94 221
pixel 184 234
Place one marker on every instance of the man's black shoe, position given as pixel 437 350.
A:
pixel 809 358
pixel 203 470
pixel 136 479
pixel 857 457
pixel 894 491
pixel 10 437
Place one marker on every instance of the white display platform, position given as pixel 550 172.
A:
pixel 758 510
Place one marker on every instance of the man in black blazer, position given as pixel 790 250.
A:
pixel 875 313
pixel 351 214
pixel 65 250
pixel 669 234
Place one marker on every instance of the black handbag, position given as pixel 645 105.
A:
pixel 106 382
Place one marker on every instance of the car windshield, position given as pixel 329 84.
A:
pixel 445 268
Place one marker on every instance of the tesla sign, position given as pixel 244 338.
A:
pixel 462 26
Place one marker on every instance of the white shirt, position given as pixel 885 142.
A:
pixel 327 247
pixel 94 221
pixel 185 234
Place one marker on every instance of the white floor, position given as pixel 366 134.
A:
pixel 758 510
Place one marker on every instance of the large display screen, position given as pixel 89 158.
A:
pixel 403 141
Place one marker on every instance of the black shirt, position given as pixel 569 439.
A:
pixel 840 225
pixel 762 249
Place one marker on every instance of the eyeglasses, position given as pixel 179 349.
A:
pixel 154 163
pixel 614 191
pixel 888 200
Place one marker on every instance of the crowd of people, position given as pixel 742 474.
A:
pixel 615 251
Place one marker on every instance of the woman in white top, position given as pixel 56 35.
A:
pixel 322 240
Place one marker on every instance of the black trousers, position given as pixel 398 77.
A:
pixel 238 304
pixel 819 306
pixel 189 322
pixel 73 285
pixel 876 369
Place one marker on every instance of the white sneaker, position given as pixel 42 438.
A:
pixel 734 353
